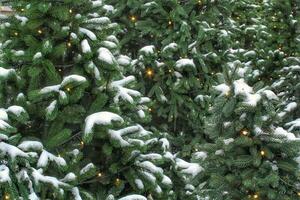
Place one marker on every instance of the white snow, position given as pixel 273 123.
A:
pixel 242 88
pixel 270 95
pixel 71 79
pixel 5 73
pixel 184 63
pixel 147 50
pixel 39 177
pixel 16 110
pixel 4 174
pixel 99 20
pixel 51 107
pixel 191 169
pixel 37 55
pixel 149 166
pixel 3 114
pixel 200 155
pixel 49 89
pixel 87 168
pixel 223 88
pixel 88 33
pixel 22 19
pixel 100 118
pixel 228 141
pixel 281 132
pixel 290 107
pixel 122 92
pixel 69 177
pixel 85 46
pixel 106 56
pixel 133 197
pixel 12 151
pixel 293 124
pixel 45 157
pixel 139 184
pixel 124 60
pixel 31 145
pixel 171 46
pixel 76 193
pixel 18 53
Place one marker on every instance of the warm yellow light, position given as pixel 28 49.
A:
pixel 227 93
pixel 133 18
pixel 262 152
pixel 82 143
pixel 16 33
pixel 255 196
pixel 40 31
pixel 117 182
pixel 70 11
pixel 69 44
pixel 6 196
pixel 99 174
pixel 170 22
pixel 68 89
pixel 22 9
pixel 298 193
pixel 170 71
pixel 245 132
pixel 59 70
pixel 149 73
pixel 150 109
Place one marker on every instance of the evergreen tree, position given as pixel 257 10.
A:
pixel 249 155
pixel 69 70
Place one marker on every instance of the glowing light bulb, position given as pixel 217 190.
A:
pixel 149 73
pixel 170 22
pixel 16 33
pixel 255 196
pixel 262 152
pixel 70 11
pixel 22 9
pixel 99 174
pixel 40 31
pixel 68 89
pixel 150 109
pixel 69 44
pixel 133 18
pixel 117 182
pixel 245 132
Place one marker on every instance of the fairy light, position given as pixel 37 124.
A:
pixel 16 33
pixel 117 182
pixel 68 89
pixel 70 11
pixel 150 109
pixel 133 18
pixel 255 196
pixel 245 132
pixel 69 44
pixel 81 144
pixel 149 73
pixel 262 152
pixel 99 174
pixel 170 71
pixel 22 9
pixel 40 31
pixel 7 196
pixel 170 22
pixel 298 193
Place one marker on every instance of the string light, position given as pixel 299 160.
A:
pixel 117 182
pixel 133 18
pixel 59 70
pixel 227 93
pixel 255 196
pixel 16 33
pixel 298 193
pixel 22 9
pixel 262 152
pixel 69 44
pixel 70 11
pixel 40 31
pixel 149 73
pixel 170 71
pixel 6 197
pixel 81 144
pixel 170 22
pixel 150 109
pixel 99 174
pixel 245 132
pixel 68 89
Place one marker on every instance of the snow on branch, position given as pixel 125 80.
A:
pixel 122 92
